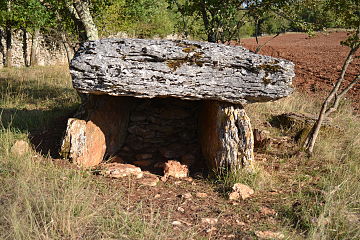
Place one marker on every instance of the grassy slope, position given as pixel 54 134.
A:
pixel 317 198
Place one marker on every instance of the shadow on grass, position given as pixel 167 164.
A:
pixel 45 128
pixel 35 91
pixel 38 105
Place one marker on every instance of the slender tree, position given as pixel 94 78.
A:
pixel 332 101
pixel 83 13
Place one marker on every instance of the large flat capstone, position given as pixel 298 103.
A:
pixel 182 69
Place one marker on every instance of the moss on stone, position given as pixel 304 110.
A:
pixel 175 63
pixel 194 59
pixel 65 149
pixel 268 68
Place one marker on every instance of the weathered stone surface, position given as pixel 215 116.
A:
pixel 119 170
pixel 226 136
pixel 181 69
pixel 149 179
pixel 20 148
pixel 144 163
pixel 111 115
pixel 261 138
pixel 210 221
pixel 152 132
pixel 175 169
pixel 84 143
pixel 241 191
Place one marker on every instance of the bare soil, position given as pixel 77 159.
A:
pixel 318 60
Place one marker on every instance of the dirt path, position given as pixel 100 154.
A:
pixel 318 60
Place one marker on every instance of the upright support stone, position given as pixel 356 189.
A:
pixel 84 143
pixel 102 132
pixel 111 115
pixel 226 136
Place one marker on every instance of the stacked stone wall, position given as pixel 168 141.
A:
pixel 163 129
pixel 48 53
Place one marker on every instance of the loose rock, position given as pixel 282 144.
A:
pixel 20 148
pixel 241 191
pixel 201 195
pixel 149 179
pixel 175 169
pixel 269 235
pixel 176 223
pixel 210 221
pixel 119 170
pixel 180 209
pixel 212 229
pixel 234 196
pixel 186 195
pixel 84 143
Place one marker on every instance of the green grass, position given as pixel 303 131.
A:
pixel 324 192
pixel 42 200
pixel 318 197
pixel 32 97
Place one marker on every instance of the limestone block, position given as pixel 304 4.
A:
pixel 84 143
pixel 226 136
pixel 183 69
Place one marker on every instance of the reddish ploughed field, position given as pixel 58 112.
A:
pixel 318 60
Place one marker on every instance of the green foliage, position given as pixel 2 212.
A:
pixel 142 18
pixel 29 14
pixel 272 23
pixel 221 20
pixel 346 12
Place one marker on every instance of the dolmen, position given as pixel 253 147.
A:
pixel 149 101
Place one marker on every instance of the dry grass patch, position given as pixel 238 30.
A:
pixel 313 198
pixel 322 193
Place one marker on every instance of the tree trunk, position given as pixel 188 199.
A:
pixel 8 58
pixel 34 48
pixel 334 94
pixel 68 48
pixel 83 11
pixel 24 47
pixel 2 49
pixel 211 35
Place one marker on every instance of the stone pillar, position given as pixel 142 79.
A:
pixel 111 115
pixel 84 143
pixel 226 136
pixel 99 133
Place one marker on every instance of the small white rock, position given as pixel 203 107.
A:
pixel 269 235
pixel 176 223
pixel 210 221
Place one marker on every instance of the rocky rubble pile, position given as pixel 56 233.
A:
pixel 171 168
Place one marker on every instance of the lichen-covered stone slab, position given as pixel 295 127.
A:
pixel 183 69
